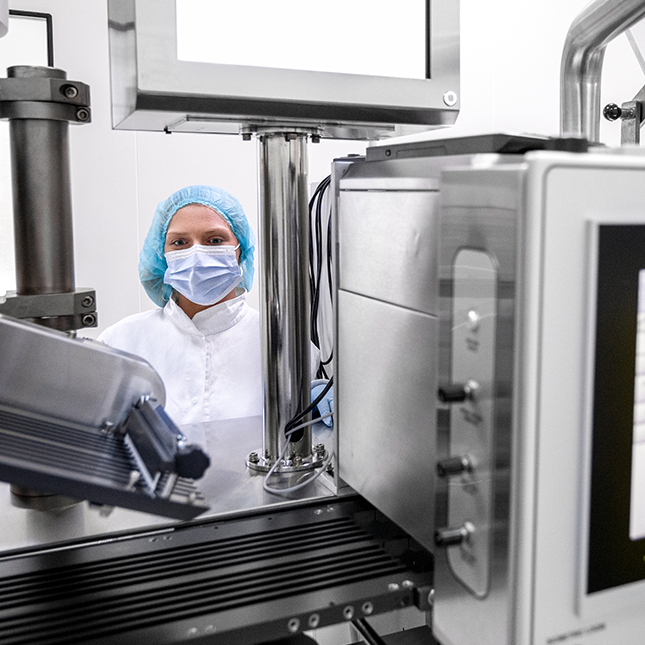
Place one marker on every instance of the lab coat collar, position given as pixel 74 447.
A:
pixel 213 320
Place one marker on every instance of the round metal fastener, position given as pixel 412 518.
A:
pixel 88 320
pixel 314 621
pixel 69 91
pixel 367 608
pixel 88 301
pixel 83 114
pixel 348 612
pixel 450 98
pixel 293 625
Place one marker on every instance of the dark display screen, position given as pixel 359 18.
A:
pixel 617 511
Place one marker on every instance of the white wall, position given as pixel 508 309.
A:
pixel 509 82
pixel 119 177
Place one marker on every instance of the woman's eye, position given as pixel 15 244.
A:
pixel 216 240
pixel 177 243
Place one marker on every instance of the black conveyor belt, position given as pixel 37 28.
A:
pixel 242 580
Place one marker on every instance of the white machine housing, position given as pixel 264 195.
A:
pixel 547 556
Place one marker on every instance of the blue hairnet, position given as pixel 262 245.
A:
pixel 152 263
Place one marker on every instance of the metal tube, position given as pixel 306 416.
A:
pixel 42 200
pixel 284 236
pixel 582 59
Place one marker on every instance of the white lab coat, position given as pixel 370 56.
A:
pixel 211 366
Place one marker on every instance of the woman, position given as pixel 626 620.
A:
pixel 204 341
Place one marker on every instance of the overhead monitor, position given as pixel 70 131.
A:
pixel 351 69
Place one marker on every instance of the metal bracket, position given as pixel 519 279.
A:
pixel 80 305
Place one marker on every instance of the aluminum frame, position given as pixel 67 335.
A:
pixel 152 90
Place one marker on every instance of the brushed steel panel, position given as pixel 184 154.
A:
pixel 388 247
pixel 385 402
pixel 48 372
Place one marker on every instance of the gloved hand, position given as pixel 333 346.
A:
pixel 326 404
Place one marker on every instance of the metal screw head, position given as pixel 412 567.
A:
pixel 88 301
pixel 246 136
pixel 293 625
pixel 89 320
pixel 393 586
pixel 83 114
pixel 450 98
pixel 69 91
pixel 254 458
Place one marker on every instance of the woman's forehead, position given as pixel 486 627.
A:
pixel 197 216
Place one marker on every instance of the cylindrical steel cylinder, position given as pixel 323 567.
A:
pixel 284 236
pixel 42 204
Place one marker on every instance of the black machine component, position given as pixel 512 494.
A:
pixel 237 581
pixel 503 144
pixel 40 103
pixel 143 466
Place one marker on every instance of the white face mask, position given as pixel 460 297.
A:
pixel 204 274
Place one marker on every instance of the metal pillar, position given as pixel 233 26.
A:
pixel 40 103
pixel 42 203
pixel 284 238
pixel 582 58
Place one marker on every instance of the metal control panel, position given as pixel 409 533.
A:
pixel 470 463
pixel 540 263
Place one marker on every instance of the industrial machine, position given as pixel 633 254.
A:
pixel 488 423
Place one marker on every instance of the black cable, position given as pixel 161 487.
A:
pixel 316 262
pixel 298 417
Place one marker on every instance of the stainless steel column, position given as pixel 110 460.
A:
pixel 582 58
pixel 41 198
pixel 284 236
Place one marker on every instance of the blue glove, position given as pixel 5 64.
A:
pixel 326 405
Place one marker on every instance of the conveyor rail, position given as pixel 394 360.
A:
pixel 242 580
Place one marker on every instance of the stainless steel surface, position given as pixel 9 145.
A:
pixel 227 486
pixel 41 199
pixel 39 103
pixel 153 90
pixel 284 238
pixel 385 408
pixel 387 243
pixel 479 217
pixel 582 59
pixel 472 428
pixel 47 372
pixel 630 126
pixel 387 329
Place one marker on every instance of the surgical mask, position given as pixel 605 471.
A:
pixel 204 274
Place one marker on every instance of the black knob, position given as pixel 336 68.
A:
pixel 191 462
pixel 453 536
pixel 457 392
pixel 612 112
pixel 453 466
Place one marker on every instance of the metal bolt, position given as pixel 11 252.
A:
pixel 450 98
pixel 314 621
pixel 83 114
pixel 348 612
pixel 69 91
pixel 431 597
pixel 319 449
pixel 315 138
pixel 246 136
pixel 88 320
pixel 88 301
pixel 408 584
pixel 393 586
pixel 254 458
pixel 293 625
pixel 367 608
